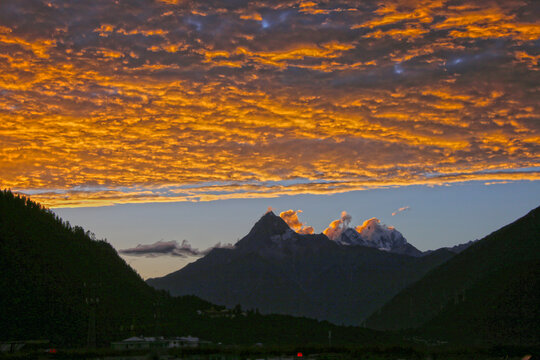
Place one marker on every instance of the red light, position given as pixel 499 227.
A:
pixel 299 354
pixel 52 351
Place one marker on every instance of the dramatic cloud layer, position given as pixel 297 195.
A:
pixel 107 102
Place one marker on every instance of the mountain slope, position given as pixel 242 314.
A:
pixel 277 270
pixel 48 269
pixel 488 292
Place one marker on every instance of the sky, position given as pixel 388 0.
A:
pixel 437 216
pixel 140 106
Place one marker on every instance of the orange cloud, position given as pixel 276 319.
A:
pixel 393 12
pixel 291 218
pixel 280 58
pixel 336 227
pixel 401 209
pixel 532 61
pixel 252 16
pixel 491 22
pixel 408 33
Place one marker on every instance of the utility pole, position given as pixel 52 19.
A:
pixel 91 300
pixel 329 338
pixel 157 318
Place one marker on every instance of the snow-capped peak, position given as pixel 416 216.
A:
pixel 376 235
pixel 381 236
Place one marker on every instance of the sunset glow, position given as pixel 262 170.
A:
pixel 105 102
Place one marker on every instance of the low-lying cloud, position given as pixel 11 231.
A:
pixel 171 248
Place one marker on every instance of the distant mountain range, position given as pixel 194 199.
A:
pixel 276 270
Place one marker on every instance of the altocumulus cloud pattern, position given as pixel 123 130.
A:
pixel 107 102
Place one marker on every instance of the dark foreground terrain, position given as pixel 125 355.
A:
pixel 300 352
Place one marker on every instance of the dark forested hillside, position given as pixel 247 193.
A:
pixel 488 293
pixel 49 271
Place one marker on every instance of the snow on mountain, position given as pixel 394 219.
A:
pixel 384 237
pixel 272 235
pixel 351 237
pixel 374 234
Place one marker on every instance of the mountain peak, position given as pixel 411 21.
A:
pixel 272 223
pixel 264 229
pixel 270 215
